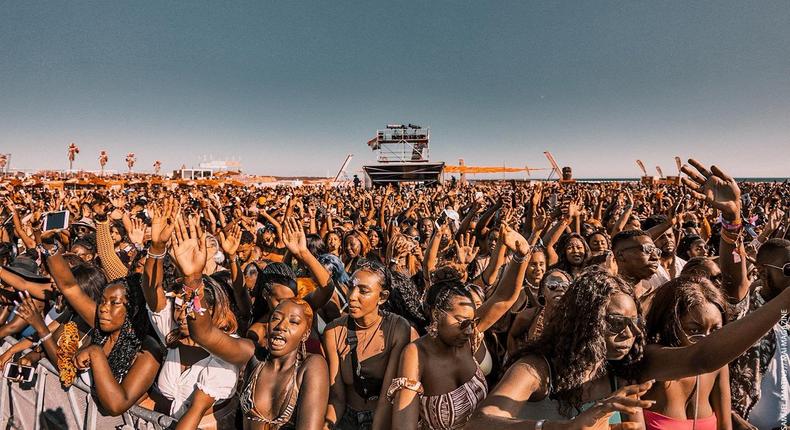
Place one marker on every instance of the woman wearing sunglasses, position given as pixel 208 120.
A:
pixel 439 381
pixel 686 310
pixel 601 317
pixel 529 323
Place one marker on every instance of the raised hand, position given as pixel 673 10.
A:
pixel 137 233
pixel 27 310
pixel 465 249
pixel 294 237
pixel 163 221
pixel 540 220
pixel 189 247
pixel 230 242
pixel 514 241
pixel 714 187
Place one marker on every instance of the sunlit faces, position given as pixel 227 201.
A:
pixel 666 243
pixel 365 293
pixel 698 249
pixel 333 242
pixel 536 268
pixel 425 228
pixel 638 258
pixel 375 239
pixel 622 326
pixel 598 243
pixel 116 236
pixel 574 252
pixel 772 271
pixel 112 308
pixel 268 237
pixel 288 327
pixel 554 286
pixel 698 322
pixel 456 326
pixel 353 246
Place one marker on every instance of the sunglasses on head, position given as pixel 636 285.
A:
pixel 784 268
pixel 618 323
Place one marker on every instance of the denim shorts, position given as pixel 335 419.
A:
pixel 355 420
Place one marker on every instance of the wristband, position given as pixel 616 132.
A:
pixel 734 226
pixel 40 341
pixel 519 258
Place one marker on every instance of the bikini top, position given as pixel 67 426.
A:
pixel 286 409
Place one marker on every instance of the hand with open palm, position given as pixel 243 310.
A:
pixel 714 187
pixel 189 247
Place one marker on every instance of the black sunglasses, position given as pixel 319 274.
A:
pixel 465 324
pixel 618 323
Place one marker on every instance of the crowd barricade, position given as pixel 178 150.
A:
pixel 44 404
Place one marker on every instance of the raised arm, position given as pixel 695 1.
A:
pixel 528 378
pixel 31 313
pixel 163 221
pixel 19 229
pixel 190 256
pixel 295 241
pixel 82 303
pixel 41 291
pixel 510 285
pixel 716 350
pixel 230 244
pixel 722 192
pixel 111 264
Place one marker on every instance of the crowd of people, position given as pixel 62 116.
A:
pixel 508 305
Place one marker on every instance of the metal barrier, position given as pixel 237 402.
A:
pixel 44 404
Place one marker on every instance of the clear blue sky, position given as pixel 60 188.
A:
pixel 291 87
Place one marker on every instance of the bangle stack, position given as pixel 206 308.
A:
pixel 157 256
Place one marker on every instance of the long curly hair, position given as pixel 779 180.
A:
pixel 574 339
pixel 135 328
pixel 673 300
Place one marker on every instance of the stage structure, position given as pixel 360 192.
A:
pixel 403 156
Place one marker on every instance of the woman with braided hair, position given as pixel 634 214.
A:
pixel 123 357
pixel 362 350
pixel 440 382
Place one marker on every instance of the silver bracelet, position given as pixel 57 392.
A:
pixel 157 256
